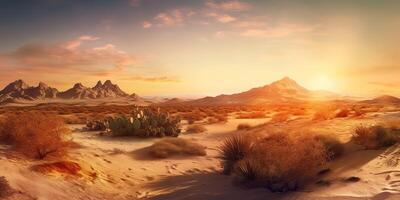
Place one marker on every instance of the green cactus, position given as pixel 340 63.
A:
pixel 145 122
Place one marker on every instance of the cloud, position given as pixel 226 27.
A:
pixel 172 17
pixel 67 57
pixel 224 18
pixel 220 34
pixel 147 24
pixel 231 5
pixel 280 30
pixel 77 42
pixel 152 79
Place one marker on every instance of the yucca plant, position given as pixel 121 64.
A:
pixel 234 149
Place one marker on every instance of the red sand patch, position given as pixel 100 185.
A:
pixel 63 167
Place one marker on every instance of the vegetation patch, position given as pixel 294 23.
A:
pixel 176 146
pixel 196 129
pixel 279 162
pixel 63 167
pixel 144 122
pixel 34 134
pixel 375 136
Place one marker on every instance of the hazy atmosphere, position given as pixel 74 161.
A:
pixel 203 47
pixel 199 99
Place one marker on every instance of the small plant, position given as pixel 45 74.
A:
pixel 374 137
pixel 333 146
pixel 234 149
pixel 36 135
pixel 243 127
pixel 176 146
pixel 5 188
pixel 280 162
pixel 196 129
pixel 251 115
pixel 145 123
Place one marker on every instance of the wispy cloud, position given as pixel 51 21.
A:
pixel 223 18
pixel 147 24
pixel 280 30
pixel 172 17
pixel 230 5
pixel 152 78
pixel 69 56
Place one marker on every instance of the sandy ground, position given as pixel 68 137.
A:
pixel 119 168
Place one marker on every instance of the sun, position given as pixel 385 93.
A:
pixel 323 82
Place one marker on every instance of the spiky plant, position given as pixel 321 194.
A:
pixel 234 149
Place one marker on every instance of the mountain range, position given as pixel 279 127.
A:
pixel 19 90
pixel 284 90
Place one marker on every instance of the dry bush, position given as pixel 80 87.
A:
pixel 280 117
pixel 342 113
pixel 333 146
pixel 322 115
pixel 375 137
pixel 234 149
pixel 176 146
pixel 36 135
pixel 196 129
pixel 251 115
pixel 5 188
pixel 281 162
pixel 243 126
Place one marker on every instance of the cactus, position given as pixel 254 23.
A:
pixel 144 122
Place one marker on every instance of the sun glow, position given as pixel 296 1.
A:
pixel 323 82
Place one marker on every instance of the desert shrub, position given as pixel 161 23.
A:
pixel 145 123
pixel 96 125
pixel 374 137
pixel 176 146
pixel 36 135
pixel 333 146
pixel 196 129
pixel 243 126
pixel 251 115
pixel 280 117
pixel 5 188
pixel 342 113
pixel 234 149
pixel 281 162
pixel 321 115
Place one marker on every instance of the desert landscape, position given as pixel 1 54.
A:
pixel 102 160
pixel 199 100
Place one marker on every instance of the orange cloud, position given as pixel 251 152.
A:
pixel 67 56
pixel 224 18
pixel 151 79
pixel 172 18
pixel 147 24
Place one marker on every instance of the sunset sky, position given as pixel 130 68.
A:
pixel 203 47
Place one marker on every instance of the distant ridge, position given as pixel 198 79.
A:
pixel 281 91
pixel 387 99
pixel 19 90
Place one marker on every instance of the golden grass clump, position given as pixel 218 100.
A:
pixel 375 136
pixel 280 162
pixel 251 115
pixel 197 128
pixel 34 134
pixel 333 146
pixel 176 146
